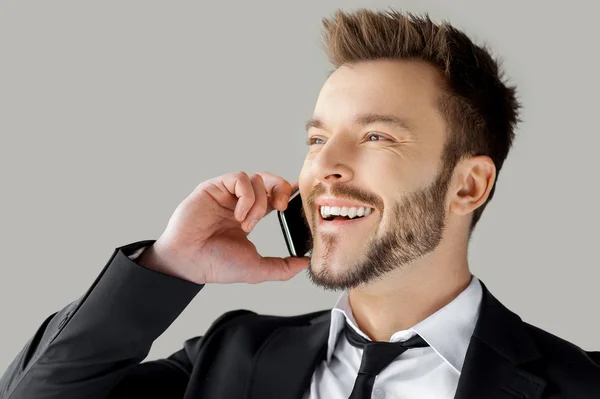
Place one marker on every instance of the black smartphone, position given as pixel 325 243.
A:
pixel 294 226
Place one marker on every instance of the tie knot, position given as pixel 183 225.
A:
pixel 359 341
pixel 378 355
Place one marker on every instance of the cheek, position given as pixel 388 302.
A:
pixel 395 170
pixel 384 170
pixel 305 184
pixel 303 178
pixel 306 169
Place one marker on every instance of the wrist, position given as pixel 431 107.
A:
pixel 155 258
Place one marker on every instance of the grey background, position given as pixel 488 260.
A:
pixel 112 112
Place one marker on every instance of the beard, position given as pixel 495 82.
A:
pixel 418 223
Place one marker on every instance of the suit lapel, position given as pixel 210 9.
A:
pixel 498 349
pixel 284 365
pixel 499 346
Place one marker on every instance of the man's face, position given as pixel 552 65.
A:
pixel 394 168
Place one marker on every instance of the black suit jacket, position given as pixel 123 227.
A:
pixel 94 347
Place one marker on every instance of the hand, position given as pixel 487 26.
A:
pixel 206 238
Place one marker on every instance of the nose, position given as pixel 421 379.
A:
pixel 332 163
pixel 335 174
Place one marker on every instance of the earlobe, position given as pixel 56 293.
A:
pixel 476 181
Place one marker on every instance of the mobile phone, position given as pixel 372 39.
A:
pixel 294 227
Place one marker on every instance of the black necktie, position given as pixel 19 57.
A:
pixel 376 356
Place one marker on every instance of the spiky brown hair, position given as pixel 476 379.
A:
pixel 480 108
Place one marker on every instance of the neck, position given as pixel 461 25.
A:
pixel 411 293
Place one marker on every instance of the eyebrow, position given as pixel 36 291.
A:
pixel 364 120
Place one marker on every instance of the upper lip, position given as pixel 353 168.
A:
pixel 330 201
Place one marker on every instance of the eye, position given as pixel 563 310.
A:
pixel 311 140
pixel 375 135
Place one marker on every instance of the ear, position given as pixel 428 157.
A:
pixel 474 180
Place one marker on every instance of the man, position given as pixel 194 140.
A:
pixel 409 134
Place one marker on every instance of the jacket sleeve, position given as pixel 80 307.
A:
pixel 94 346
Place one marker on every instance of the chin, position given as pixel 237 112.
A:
pixel 331 263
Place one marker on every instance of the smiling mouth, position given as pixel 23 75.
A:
pixel 343 215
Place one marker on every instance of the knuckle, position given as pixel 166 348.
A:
pixel 269 175
pixel 257 178
pixel 251 278
pixel 276 191
pixel 259 209
pixel 283 185
pixel 270 178
pixel 241 175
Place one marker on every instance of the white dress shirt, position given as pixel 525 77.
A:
pixel 420 373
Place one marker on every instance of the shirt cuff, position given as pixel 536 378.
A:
pixel 137 253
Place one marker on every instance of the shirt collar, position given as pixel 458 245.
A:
pixel 448 331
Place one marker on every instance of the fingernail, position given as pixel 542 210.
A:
pixel 284 201
pixel 252 224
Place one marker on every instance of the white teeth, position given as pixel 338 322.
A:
pixel 350 212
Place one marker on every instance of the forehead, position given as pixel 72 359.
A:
pixel 411 88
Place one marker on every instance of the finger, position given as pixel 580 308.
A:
pixel 284 199
pixel 240 185
pixel 259 208
pixel 281 269
pixel 279 190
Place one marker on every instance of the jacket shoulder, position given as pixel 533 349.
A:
pixel 553 345
pixel 247 319
pixel 245 330
pixel 564 361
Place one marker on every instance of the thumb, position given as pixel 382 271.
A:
pixel 275 268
